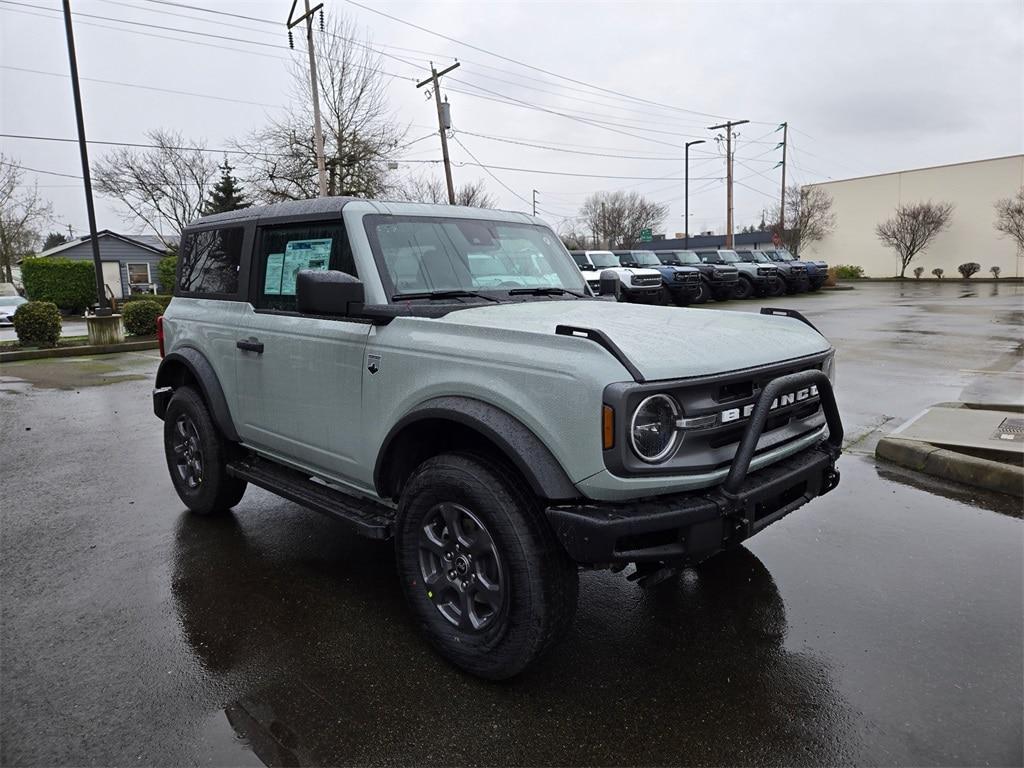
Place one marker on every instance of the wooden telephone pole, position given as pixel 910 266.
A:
pixel 728 175
pixel 318 135
pixel 442 127
pixel 782 202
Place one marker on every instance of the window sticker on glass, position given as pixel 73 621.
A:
pixel 302 254
pixel 272 281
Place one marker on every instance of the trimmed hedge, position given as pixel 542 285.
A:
pixel 71 285
pixel 140 317
pixel 160 299
pixel 37 324
pixel 848 271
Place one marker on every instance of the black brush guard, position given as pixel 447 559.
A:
pixel 690 527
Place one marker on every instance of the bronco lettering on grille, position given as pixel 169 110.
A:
pixel 790 398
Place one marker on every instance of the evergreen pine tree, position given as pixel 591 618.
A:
pixel 227 194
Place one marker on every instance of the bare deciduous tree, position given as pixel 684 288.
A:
pixel 913 228
pixel 22 215
pixel 360 131
pixel 1010 218
pixel 617 218
pixel 809 217
pixel 427 188
pixel 164 187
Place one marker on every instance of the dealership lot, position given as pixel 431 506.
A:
pixel 882 624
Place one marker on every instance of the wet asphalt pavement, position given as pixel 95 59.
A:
pixel 881 624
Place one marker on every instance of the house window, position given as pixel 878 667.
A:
pixel 138 274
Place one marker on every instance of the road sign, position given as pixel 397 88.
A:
pixel 645 236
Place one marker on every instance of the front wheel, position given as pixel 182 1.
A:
pixel 744 288
pixel 481 569
pixel 703 294
pixel 776 287
pixel 197 456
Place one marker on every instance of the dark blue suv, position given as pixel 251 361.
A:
pixel 680 285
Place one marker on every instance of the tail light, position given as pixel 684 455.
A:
pixel 160 334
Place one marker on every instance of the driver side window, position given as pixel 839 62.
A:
pixel 283 251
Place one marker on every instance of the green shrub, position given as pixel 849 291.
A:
pixel 165 270
pixel 37 324
pixel 849 271
pixel 160 299
pixel 71 285
pixel 140 317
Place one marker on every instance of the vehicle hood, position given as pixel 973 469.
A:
pixel 626 270
pixel 662 342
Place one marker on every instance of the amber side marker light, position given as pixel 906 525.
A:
pixel 607 427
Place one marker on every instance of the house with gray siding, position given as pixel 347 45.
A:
pixel 129 261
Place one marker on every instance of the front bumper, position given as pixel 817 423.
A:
pixel 690 527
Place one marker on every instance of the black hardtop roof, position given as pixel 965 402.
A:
pixel 314 206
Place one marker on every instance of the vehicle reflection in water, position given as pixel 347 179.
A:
pixel 305 630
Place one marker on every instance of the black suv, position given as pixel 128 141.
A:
pixel 719 281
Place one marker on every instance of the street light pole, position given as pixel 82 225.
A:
pixel 686 194
pixel 103 308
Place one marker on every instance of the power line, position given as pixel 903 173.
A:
pixel 530 66
pixel 141 87
pixel 489 172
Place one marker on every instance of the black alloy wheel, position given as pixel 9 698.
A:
pixel 460 567
pixel 188 452
pixel 777 287
pixel 703 293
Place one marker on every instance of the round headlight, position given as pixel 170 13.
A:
pixel 653 431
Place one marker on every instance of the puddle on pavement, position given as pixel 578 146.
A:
pixel 974 497
pixel 76 372
pixel 223 744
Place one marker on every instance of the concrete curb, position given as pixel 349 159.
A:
pixel 94 349
pixel 950 465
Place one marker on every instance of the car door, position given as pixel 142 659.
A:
pixel 298 376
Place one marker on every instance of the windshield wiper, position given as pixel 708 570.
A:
pixel 549 290
pixel 456 293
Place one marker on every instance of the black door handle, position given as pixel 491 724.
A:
pixel 250 345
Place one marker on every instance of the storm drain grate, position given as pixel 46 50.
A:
pixel 1010 429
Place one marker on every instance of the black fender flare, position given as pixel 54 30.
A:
pixel 200 370
pixel 511 437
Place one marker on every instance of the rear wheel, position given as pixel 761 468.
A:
pixel 481 569
pixel 197 456
pixel 744 288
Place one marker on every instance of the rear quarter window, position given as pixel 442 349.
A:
pixel 210 261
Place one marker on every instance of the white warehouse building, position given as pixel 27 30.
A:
pixel 973 188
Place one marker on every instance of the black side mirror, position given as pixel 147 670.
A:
pixel 609 284
pixel 328 292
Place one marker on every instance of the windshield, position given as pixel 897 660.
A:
pixel 680 257
pixel 729 257
pixel 785 256
pixel 760 258
pixel 646 258
pixel 420 254
pixel 11 301
pixel 604 259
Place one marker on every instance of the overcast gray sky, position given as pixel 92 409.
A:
pixel 865 87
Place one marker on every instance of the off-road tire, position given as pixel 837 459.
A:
pixel 539 583
pixel 704 294
pixel 216 491
pixel 744 288
pixel 664 297
pixel 777 287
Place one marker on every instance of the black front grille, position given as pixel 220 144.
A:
pixel 646 280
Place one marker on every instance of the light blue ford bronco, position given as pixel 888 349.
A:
pixel 445 377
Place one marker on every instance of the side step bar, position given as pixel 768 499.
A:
pixel 366 518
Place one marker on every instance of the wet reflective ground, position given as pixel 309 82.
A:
pixel 881 624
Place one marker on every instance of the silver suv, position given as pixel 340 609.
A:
pixel 445 377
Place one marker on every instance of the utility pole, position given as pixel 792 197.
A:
pixel 535 202
pixel 101 296
pixel 318 135
pixel 728 175
pixel 442 123
pixel 686 194
pixel 71 232
pixel 782 202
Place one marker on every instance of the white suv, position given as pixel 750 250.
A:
pixel 636 284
